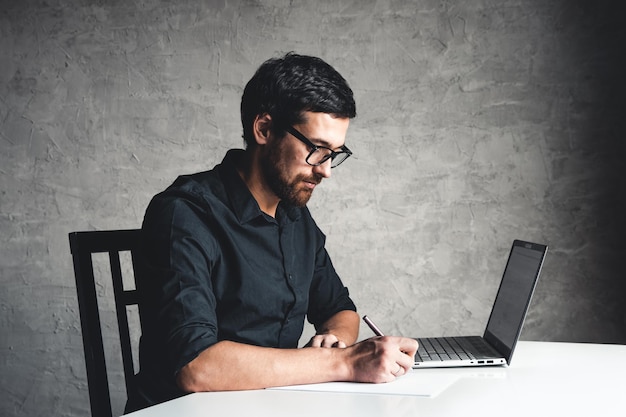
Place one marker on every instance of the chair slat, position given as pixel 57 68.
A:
pixel 82 246
pixel 122 318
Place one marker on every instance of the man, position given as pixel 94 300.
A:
pixel 233 261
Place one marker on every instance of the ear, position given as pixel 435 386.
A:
pixel 261 127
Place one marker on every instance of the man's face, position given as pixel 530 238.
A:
pixel 284 163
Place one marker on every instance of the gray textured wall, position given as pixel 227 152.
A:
pixel 480 121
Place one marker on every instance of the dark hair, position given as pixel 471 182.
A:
pixel 288 86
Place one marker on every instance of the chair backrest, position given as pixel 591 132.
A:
pixel 83 245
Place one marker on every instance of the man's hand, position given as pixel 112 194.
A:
pixel 326 340
pixel 381 359
pixel 339 331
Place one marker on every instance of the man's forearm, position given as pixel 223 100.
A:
pixel 235 366
pixel 229 366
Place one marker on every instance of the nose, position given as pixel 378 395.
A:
pixel 324 169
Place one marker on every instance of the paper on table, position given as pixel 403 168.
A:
pixel 414 383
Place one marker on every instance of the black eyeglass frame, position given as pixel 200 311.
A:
pixel 314 148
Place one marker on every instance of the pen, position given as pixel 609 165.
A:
pixel 372 326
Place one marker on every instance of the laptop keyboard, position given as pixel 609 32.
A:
pixel 453 348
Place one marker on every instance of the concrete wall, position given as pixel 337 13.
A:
pixel 480 121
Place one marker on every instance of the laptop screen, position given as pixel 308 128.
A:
pixel 514 295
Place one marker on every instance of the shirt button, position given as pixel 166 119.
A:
pixel 290 277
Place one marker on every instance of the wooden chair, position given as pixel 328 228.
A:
pixel 83 245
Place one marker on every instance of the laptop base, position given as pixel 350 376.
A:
pixel 447 352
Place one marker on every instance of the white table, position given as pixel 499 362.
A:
pixel 544 379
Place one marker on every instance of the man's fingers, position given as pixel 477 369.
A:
pixel 408 346
pixel 326 340
pixel 329 340
pixel 400 371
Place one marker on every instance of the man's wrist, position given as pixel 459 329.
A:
pixel 341 365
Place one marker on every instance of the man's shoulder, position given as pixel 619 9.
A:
pixel 198 183
pixel 199 188
pixel 209 184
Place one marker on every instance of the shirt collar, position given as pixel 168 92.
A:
pixel 244 205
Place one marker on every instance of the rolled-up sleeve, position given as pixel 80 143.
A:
pixel 180 254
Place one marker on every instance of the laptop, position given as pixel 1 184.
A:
pixel 509 309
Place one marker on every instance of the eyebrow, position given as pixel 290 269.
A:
pixel 321 142
pixel 324 143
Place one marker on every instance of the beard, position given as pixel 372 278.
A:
pixel 274 169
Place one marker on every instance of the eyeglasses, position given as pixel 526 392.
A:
pixel 320 154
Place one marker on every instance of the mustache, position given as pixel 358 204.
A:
pixel 315 179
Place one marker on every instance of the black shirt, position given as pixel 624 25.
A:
pixel 215 267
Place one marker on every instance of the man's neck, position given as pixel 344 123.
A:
pixel 250 172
